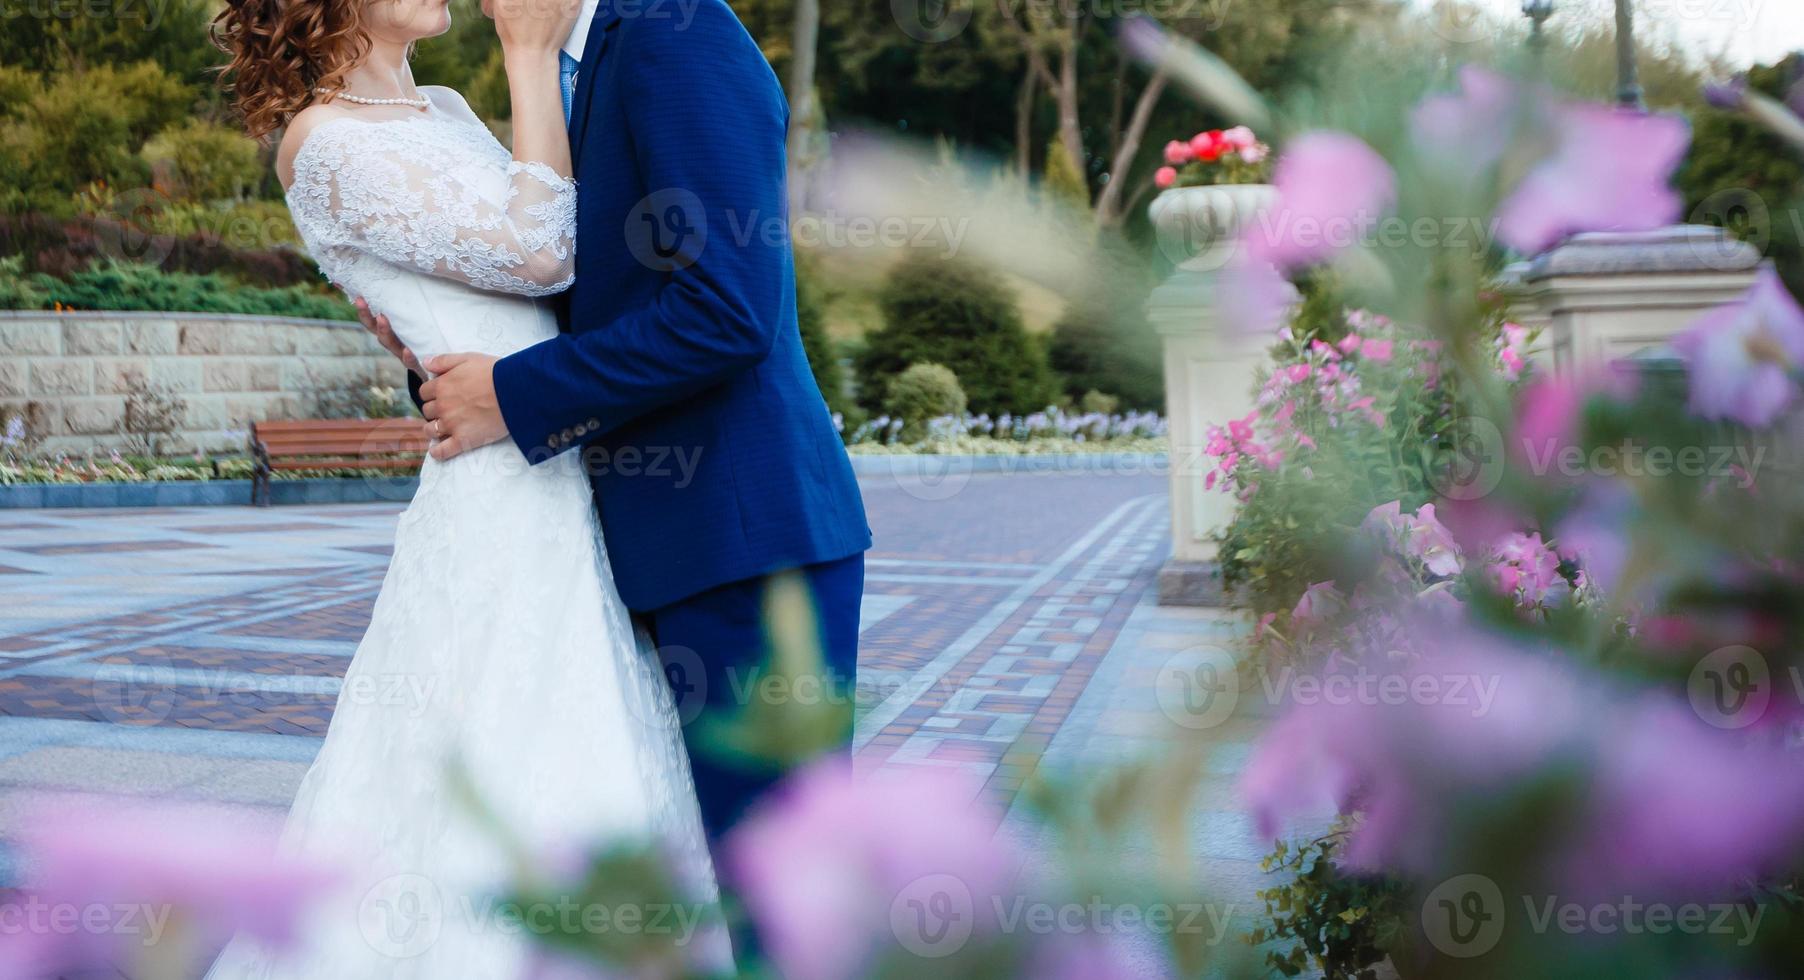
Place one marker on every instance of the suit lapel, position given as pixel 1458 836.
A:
pixel 594 49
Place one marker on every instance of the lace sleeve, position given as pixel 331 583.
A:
pixel 371 188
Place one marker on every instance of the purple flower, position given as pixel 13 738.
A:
pixel 1730 95
pixel 1253 297
pixel 1681 809
pixel 1331 187
pixel 1472 130
pixel 216 869
pixel 1319 602
pixel 1742 355
pixel 1611 172
pixel 824 864
pixel 1420 536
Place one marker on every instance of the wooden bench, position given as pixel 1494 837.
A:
pixel 337 444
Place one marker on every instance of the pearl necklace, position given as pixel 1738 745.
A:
pixel 360 100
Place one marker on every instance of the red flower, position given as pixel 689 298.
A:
pixel 1209 146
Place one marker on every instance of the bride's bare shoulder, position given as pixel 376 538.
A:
pixel 450 102
pixel 294 136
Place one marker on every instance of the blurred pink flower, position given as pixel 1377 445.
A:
pixel 1239 138
pixel 1549 409
pixel 1254 297
pixel 1471 130
pixel 1374 349
pixel 1164 177
pixel 823 862
pixel 1420 536
pixel 1612 171
pixel 1178 153
pixel 1319 602
pixel 1524 568
pixel 217 869
pixel 1741 355
pixel 1331 186
pixel 1679 808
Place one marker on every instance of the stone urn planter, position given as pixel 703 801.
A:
pixel 1210 367
pixel 1199 227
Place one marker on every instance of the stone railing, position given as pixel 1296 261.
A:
pixel 70 374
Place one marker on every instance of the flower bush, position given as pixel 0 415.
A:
pixel 1558 603
pixel 1053 430
pixel 1218 156
pixel 1355 412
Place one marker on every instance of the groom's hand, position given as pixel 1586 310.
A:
pixel 461 407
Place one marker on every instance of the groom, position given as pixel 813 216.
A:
pixel 679 372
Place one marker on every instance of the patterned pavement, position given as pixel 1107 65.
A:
pixel 197 653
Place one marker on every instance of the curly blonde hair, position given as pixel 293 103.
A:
pixel 282 50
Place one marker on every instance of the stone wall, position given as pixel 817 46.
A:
pixel 69 374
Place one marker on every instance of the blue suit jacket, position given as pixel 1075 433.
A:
pixel 679 371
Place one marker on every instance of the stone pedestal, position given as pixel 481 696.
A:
pixel 1210 369
pixel 1608 295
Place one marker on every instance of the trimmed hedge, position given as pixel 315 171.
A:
pixel 963 316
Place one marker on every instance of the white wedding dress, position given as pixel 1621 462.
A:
pixel 498 645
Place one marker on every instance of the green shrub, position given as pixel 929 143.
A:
pixel 1103 340
pixel 86 127
pixel 956 313
pixel 18 289
pixel 203 161
pixel 1096 403
pixel 823 360
pixel 129 286
pixel 924 392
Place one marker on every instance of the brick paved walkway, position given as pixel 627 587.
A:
pixel 198 652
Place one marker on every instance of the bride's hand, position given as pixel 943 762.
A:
pixel 532 26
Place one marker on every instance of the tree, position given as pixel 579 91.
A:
pixel 1066 46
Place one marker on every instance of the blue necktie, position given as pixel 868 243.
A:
pixel 566 79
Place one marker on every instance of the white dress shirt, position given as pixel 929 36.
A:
pixel 580 33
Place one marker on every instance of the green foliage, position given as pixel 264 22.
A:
pixel 951 312
pixel 18 289
pixel 85 127
pixel 924 392
pixel 128 286
pixel 76 36
pixel 1340 925
pixel 1064 179
pixel 823 360
pixel 1742 177
pixel 1104 342
pixel 201 161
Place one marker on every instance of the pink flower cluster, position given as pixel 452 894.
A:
pixel 1653 802
pixel 1207 149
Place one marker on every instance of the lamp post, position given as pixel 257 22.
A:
pixel 1537 12
pixel 1628 90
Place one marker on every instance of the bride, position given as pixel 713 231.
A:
pixel 499 608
